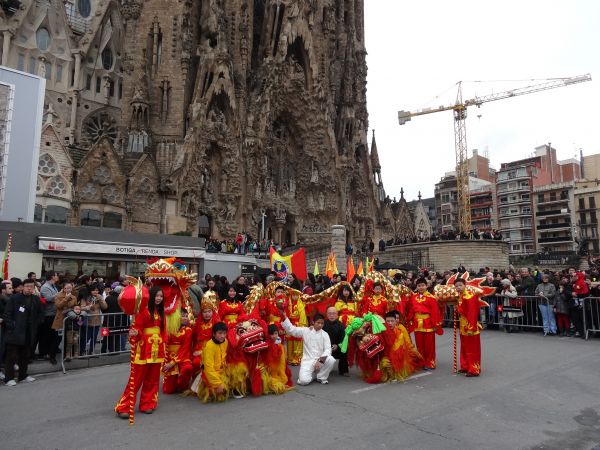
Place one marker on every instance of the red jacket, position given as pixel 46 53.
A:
pixel 580 287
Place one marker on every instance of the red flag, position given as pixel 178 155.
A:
pixel 350 272
pixel 6 257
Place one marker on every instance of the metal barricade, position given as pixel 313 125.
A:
pixel 93 335
pixel 591 316
pixel 522 312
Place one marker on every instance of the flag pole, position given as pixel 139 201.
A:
pixel 7 257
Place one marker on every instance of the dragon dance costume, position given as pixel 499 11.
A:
pixel 470 329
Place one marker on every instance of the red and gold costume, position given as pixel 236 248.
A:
pixel 202 331
pixel 297 316
pixel 179 353
pixel 347 310
pixel 401 359
pixel 148 348
pixel 214 374
pixel 470 344
pixel 229 311
pixel 375 304
pixel 276 375
pixel 424 319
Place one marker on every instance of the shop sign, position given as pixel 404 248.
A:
pixel 117 248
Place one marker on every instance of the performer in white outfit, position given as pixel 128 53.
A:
pixel 316 357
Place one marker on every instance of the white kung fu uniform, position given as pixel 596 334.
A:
pixel 316 346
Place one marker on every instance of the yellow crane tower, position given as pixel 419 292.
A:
pixel 460 132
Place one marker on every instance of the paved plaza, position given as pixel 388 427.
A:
pixel 534 392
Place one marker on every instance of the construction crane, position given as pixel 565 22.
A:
pixel 460 132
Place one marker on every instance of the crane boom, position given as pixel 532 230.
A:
pixel 460 132
pixel 405 116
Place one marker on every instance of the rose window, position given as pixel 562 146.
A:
pixel 47 165
pixel 57 186
pixel 89 192
pixel 111 194
pixel 102 175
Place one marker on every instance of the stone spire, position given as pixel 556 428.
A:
pixel 374 154
pixel 419 196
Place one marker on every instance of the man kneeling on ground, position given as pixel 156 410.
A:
pixel 316 354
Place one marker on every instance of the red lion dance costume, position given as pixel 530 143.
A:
pixel 148 346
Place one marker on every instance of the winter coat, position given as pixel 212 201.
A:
pixel 62 302
pixel 548 290
pixel 580 287
pixel 22 316
pixel 93 306
pixel 526 286
pixel 563 303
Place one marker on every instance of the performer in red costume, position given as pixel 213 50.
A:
pixel 202 331
pixel 469 307
pixel 178 363
pixel 230 308
pixel 147 335
pixel 374 300
pixel 424 319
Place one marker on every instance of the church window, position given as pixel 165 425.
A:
pixel 47 165
pixel 56 214
pixel 91 218
pixel 107 58
pixel 112 220
pixel 21 62
pixel 32 65
pixel 57 187
pixel 84 7
pixel 48 70
pixel 88 82
pixel 98 85
pixel 42 38
pixel 59 71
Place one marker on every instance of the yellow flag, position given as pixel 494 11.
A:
pixel 316 271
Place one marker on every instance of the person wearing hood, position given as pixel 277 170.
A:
pixel 580 291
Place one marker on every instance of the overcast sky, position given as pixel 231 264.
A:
pixel 418 50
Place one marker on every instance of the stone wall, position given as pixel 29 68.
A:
pixel 445 255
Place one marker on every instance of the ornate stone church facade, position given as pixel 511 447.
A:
pixel 203 117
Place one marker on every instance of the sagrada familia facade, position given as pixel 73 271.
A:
pixel 205 117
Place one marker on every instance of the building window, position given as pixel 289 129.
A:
pixel 552 196
pixel 48 67
pixel 107 58
pixel 84 7
pixel 120 90
pixel 592 201
pixel 593 218
pixel 42 38
pixel 540 198
pixel 516 247
pixel 88 82
pixel 98 85
pixel 582 218
pixel 21 62
pixel 32 65
pixel 112 220
pixel 56 214
pixel 38 213
pixel 526 210
pixel 582 203
pixel 111 88
pixel 525 197
pixel 59 70
pixel 91 218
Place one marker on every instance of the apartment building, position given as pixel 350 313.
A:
pixel 586 201
pixel 555 217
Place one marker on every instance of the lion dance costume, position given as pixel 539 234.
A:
pixel 148 350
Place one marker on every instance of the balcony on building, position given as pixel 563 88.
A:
pixel 557 239
pixel 554 212
pixel 563 225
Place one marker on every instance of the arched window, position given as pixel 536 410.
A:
pixel 107 58
pixel 47 165
pixel 84 7
pixel 57 187
pixel 42 38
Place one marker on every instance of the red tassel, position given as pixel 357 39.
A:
pixel 256 385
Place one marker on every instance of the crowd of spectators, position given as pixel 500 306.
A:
pixel 32 313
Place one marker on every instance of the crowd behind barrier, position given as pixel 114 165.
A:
pixel 80 319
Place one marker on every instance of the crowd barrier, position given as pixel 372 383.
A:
pixel 81 339
pixel 591 316
pixel 524 313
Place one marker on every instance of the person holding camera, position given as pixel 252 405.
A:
pixel 92 304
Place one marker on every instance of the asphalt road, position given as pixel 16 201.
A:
pixel 534 392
